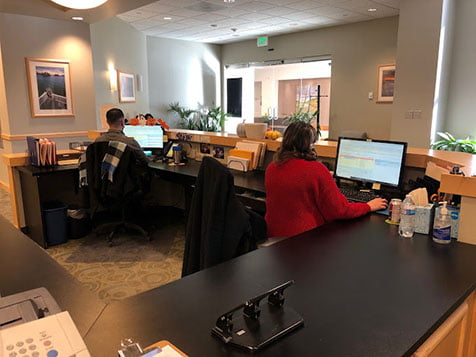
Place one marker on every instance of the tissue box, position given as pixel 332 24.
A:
pixel 424 218
pixel 454 214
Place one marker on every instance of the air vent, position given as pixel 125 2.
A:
pixel 204 6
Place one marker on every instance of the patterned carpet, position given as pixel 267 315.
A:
pixel 131 266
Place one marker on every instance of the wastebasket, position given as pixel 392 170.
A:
pixel 54 217
pixel 79 223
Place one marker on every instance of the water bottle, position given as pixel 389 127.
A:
pixel 442 225
pixel 407 218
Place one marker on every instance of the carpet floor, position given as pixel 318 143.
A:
pixel 131 266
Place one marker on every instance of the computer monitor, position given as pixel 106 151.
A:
pixel 150 137
pixel 366 161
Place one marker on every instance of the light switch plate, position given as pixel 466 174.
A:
pixel 371 95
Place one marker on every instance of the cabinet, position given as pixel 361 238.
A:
pixel 456 336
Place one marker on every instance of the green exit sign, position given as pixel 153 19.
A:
pixel 262 41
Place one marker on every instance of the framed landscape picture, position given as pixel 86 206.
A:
pixel 49 86
pixel 126 87
pixel 386 83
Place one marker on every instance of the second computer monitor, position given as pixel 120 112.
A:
pixel 375 161
pixel 150 137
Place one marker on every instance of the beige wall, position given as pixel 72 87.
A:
pixel 417 58
pixel 25 36
pixel 118 45
pixel 356 50
pixel 182 71
pixel 461 106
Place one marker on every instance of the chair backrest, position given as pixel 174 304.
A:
pixel 218 224
pixel 102 192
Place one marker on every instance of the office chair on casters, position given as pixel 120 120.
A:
pixel 219 226
pixel 114 201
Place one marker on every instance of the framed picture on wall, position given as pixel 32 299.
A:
pixel 386 83
pixel 49 86
pixel 126 87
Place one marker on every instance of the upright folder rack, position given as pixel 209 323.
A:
pixel 258 327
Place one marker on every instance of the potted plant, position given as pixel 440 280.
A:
pixel 449 143
pixel 306 117
pixel 187 121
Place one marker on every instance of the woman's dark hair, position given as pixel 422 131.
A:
pixel 297 143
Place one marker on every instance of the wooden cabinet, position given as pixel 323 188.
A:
pixel 456 337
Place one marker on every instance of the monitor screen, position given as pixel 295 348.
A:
pixel 151 137
pixel 370 161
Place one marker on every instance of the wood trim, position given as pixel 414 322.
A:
pixel 22 159
pixel 68 134
pixel 5 186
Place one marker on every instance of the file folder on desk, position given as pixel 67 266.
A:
pixel 243 154
pixel 42 152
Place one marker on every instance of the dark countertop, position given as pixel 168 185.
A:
pixel 24 266
pixel 361 289
pixel 37 171
pixel 251 180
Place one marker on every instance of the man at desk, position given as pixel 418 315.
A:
pixel 115 120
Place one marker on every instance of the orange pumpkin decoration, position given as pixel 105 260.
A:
pixel 151 122
pixel 134 121
pixel 163 124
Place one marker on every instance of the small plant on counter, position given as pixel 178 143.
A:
pixel 449 143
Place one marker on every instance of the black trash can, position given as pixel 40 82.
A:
pixel 55 222
pixel 79 223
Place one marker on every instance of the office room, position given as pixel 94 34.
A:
pixel 237 177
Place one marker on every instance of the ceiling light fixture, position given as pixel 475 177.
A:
pixel 77 18
pixel 167 18
pixel 80 4
pixel 214 25
pixel 228 1
pixel 372 9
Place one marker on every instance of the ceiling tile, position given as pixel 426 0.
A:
pixel 300 15
pixel 185 12
pixel 304 5
pixel 157 7
pixel 275 21
pixel 254 16
pixel 231 12
pixel 210 18
pixel 178 3
pixel 254 6
pixel 278 11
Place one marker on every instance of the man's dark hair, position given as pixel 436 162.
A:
pixel 114 115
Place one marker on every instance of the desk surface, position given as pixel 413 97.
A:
pixel 24 266
pixel 360 288
pixel 252 180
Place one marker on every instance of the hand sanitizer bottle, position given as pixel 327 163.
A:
pixel 442 225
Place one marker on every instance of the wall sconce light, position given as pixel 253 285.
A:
pixel 112 79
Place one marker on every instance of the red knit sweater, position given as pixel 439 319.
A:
pixel 302 195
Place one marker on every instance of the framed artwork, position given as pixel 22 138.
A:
pixel 126 87
pixel 386 83
pixel 49 86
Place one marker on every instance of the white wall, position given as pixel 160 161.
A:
pixel 356 51
pixel 117 45
pixel 182 71
pixel 461 105
pixel 417 58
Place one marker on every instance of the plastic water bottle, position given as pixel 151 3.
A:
pixel 407 218
pixel 442 225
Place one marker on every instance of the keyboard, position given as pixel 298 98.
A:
pixel 358 196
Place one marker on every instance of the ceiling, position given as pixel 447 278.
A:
pixel 214 21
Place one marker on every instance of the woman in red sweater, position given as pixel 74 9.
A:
pixel 300 191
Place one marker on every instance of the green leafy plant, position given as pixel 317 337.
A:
pixel 185 114
pixel 304 116
pixel 449 143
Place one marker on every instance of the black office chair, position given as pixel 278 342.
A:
pixel 219 226
pixel 112 203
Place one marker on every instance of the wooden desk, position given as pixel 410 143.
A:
pixel 361 289
pixel 25 266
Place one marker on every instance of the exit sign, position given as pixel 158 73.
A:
pixel 262 41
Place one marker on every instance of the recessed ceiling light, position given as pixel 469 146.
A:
pixel 214 25
pixel 372 9
pixel 228 1
pixel 167 18
pixel 77 18
pixel 233 29
pixel 80 4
